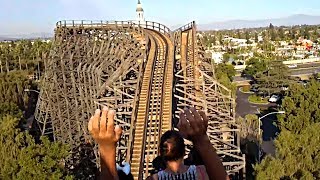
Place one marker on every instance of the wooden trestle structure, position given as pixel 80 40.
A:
pixel 145 72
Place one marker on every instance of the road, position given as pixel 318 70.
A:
pixel 240 79
pixel 308 68
pixel 269 131
pixel 308 65
pixel 244 107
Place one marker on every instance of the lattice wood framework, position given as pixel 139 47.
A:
pixel 92 64
pixel 195 86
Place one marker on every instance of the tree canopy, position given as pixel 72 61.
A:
pixel 297 156
pixel 298 145
pixel 224 74
pixel 302 107
pixel 12 85
pixel 225 69
pixel 9 108
pixel 249 127
pixel 254 66
pixel 23 55
pixel 22 158
pixel 274 78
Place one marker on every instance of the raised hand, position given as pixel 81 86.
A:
pixel 102 128
pixel 193 124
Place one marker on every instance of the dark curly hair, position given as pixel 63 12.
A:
pixel 172 146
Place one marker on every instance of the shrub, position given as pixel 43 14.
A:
pixel 257 99
pixel 246 88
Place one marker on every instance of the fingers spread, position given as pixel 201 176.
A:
pixel 183 126
pixel 110 123
pixel 196 115
pixel 118 132
pixel 204 118
pixel 95 123
pixel 103 121
pixel 191 119
pixel 90 124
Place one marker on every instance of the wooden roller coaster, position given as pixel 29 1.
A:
pixel 145 72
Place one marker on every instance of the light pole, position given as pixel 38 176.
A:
pixel 30 119
pixel 259 133
pixel 31 90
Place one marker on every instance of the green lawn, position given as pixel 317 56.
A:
pixel 257 99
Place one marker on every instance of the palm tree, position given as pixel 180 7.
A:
pixel 6 54
pixel 17 53
pixel 1 57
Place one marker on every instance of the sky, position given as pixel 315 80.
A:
pixel 34 16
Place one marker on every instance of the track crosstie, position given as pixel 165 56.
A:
pixel 154 107
pixel 145 72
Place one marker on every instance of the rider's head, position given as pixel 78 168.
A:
pixel 172 146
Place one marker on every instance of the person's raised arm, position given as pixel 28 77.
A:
pixel 193 124
pixel 106 135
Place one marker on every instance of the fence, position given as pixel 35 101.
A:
pixel 145 24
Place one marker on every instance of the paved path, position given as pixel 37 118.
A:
pixel 244 107
pixel 268 129
pixel 307 68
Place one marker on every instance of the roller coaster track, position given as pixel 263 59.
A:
pixel 195 86
pixel 154 109
pixel 147 74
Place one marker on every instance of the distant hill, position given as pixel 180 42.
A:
pixel 26 36
pixel 298 19
pixel 4 38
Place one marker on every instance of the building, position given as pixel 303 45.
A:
pixel 140 13
pixel 217 57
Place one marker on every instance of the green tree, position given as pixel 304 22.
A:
pixel 305 33
pixel 12 87
pixel 225 81
pixel 9 108
pixel 224 74
pixel 274 78
pixel 226 57
pixel 22 158
pixel 213 40
pixel 264 35
pixel 254 66
pixel 293 34
pixel 238 34
pixel 249 127
pixel 297 156
pixel 297 146
pixel 315 34
pixel 225 69
pixel 271 26
pixel 220 39
pixel 301 105
pixel 248 37
pixel 256 38
pixel 281 34
pixel 273 35
pixel 22 54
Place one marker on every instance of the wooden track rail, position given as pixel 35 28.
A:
pixel 154 109
pixel 145 72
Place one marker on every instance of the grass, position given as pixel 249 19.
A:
pixel 257 99
pixel 246 88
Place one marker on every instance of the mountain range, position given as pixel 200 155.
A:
pixel 42 35
pixel 298 19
